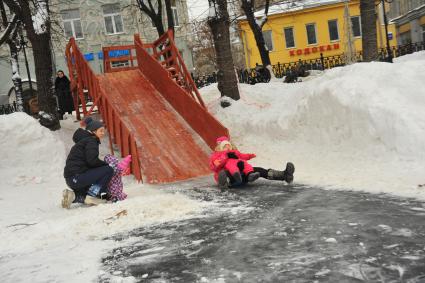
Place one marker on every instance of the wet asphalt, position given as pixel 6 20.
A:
pixel 271 232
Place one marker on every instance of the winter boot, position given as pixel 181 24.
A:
pixel 289 172
pixel 237 179
pixel 287 175
pixel 223 180
pixel 68 197
pixel 79 198
pixel 89 200
pixel 253 176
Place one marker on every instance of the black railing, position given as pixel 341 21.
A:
pixel 299 67
pixel 204 80
pixel 8 108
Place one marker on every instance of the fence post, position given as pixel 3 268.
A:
pixel 322 60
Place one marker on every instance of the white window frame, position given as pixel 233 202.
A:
pixel 175 16
pixel 293 37
pixel 112 15
pixel 271 38
pixel 360 26
pixel 315 33
pixel 337 31
pixel 71 21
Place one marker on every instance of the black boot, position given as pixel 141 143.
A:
pixel 253 176
pixel 223 180
pixel 237 179
pixel 289 172
pixel 287 175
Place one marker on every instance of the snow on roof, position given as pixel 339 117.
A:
pixel 394 20
pixel 286 7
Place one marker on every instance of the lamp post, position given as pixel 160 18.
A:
pixel 390 54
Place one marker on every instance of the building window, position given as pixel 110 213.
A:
pixel 405 38
pixel 72 23
pixel 333 30
pixel 423 33
pixel 113 19
pixel 356 26
pixel 175 14
pixel 267 34
pixel 311 33
pixel 289 37
pixel 120 64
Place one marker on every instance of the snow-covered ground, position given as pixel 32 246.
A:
pixel 42 242
pixel 361 127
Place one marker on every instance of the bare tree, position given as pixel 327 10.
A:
pixel 10 36
pixel 203 46
pixel 248 6
pixel 154 12
pixel 219 23
pixel 35 18
pixel 369 36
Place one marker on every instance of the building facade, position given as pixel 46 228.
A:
pixel 298 30
pixel 99 23
pixel 409 19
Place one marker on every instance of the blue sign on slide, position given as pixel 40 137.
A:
pixel 119 53
pixel 114 53
pixel 89 56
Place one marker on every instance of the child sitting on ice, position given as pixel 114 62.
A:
pixel 231 168
pixel 227 157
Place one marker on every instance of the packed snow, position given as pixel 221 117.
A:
pixel 358 128
pixel 40 240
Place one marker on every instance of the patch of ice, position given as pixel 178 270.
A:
pixel 331 240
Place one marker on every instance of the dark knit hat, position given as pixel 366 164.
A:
pixel 92 125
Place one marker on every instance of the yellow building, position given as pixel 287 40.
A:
pixel 303 31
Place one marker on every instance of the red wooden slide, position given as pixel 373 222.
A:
pixel 150 106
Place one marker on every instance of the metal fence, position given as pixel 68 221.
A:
pixel 8 108
pixel 280 70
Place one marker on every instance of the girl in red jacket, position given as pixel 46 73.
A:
pixel 231 168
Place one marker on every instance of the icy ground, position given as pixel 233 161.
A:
pixel 269 232
pixel 359 128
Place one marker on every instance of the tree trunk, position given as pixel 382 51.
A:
pixel 257 30
pixel 16 78
pixel 369 36
pixel 10 39
pixel 44 73
pixel 170 16
pixel 159 26
pixel 226 76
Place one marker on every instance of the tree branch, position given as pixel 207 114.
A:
pixel 10 27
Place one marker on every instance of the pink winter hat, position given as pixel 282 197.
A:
pixel 220 139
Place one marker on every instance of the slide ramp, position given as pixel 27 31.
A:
pixel 165 144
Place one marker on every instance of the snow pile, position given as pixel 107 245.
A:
pixel 30 153
pixel 417 56
pixel 358 127
pixel 42 242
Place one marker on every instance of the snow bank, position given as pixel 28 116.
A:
pixel 358 127
pixel 30 153
pixel 417 56
pixel 42 242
